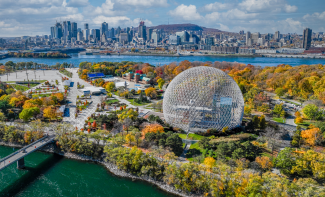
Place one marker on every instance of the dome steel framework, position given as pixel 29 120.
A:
pixel 201 98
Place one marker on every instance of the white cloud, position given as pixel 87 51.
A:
pixel 271 5
pixel 315 16
pixel 186 12
pixel 217 6
pixel 290 8
pixel 119 21
pixel 143 3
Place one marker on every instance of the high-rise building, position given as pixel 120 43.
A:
pixel 53 32
pixel 307 38
pixel 103 28
pixel 95 33
pixel 66 25
pixel 57 30
pixel 255 37
pixel 118 30
pixel 86 34
pixel 277 35
pixel 248 36
pixel 74 30
pixel 184 35
pixel 86 26
pixel 156 35
pixel 142 31
pixel 79 36
pixel 149 34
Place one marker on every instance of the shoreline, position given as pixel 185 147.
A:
pixel 112 168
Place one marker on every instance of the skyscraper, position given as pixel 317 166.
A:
pixel 57 30
pixel 248 36
pixel 118 30
pixel 74 30
pixel 307 38
pixel 103 28
pixel 142 31
pixel 277 35
pixel 149 34
pixel 86 26
pixel 66 25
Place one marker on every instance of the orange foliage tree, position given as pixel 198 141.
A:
pixel 264 162
pixel 49 112
pixel 312 136
pixel 153 128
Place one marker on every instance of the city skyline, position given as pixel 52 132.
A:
pixel 266 16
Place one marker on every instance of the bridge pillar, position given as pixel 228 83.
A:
pixel 21 163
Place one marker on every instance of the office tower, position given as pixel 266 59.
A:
pixel 53 32
pixel 241 32
pixel 184 36
pixel 174 40
pixel 74 30
pixel 156 35
pixel 95 33
pixel 57 30
pixel 66 25
pixel 307 38
pixel 255 37
pixel 248 36
pixel 86 26
pixel 79 36
pixel 86 34
pixel 112 33
pixel 103 28
pixel 118 30
pixel 123 38
pixel 142 31
pixel 149 34
pixel 277 35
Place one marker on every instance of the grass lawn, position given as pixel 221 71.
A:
pixel 192 136
pixel 111 101
pixel 279 120
pixel 136 104
pixel 20 87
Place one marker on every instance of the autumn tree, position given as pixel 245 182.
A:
pixel 49 112
pixel 132 114
pixel 151 92
pixel 110 86
pixel 312 112
pixel 160 82
pixel 264 162
pixel 313 136
pixel 209 162
pixel 153 128
pixel 129 138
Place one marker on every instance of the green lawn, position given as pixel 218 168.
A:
pixel 194 150
pixel 279 120
pixel 192 136
pixel 111 101
pixel 20 87
pixel 136 104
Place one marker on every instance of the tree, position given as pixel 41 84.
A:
pixel 110 86
pixel 151 92
pixel 160 82
pixel 28 113
pixel 255 122
pixel 225 129
pixel 264 162
pixel 204 143
pixel 128 114
pixel 49 112
pixel 280 92
pixel 129 138
pixel 299 120
pixel 312 112
pixel 312 136
pixel 209 162
pixel 285 160
pixel 175 143
pixel 153 128
pixel 262 122
pixel 278 109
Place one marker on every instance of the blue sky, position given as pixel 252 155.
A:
pixel 34 17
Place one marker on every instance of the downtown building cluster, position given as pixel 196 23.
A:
pixel 191 39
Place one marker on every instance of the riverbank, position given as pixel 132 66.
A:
pixel 112 168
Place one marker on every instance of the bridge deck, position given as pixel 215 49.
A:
pixel 26 150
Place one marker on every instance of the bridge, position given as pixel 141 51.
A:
pixel 19 155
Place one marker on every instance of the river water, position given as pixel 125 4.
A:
pixel 161 60
pixel 51 175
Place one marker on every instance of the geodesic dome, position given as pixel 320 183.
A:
pixel 201 98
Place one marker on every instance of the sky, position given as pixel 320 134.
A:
pixel 35 17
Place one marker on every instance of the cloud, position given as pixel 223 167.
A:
pixel 186 12
pixel 123 21
pixel 217 6
pixel 315 16
pixel 272 5
pixel 143 3
pixel 290 8
pixel 77 3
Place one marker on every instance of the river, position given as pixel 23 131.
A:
pixel 161 60
pixel 53 175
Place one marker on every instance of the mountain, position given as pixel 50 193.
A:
pixel 181 27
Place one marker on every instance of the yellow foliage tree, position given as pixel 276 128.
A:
pixel 312 136
pixel 129 138
pixel 49 112
pixel 209 162
pixel 153 128
pixel 299 120
pixel 264 162
pixel 151 92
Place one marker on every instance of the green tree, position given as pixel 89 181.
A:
pixel 175 143
pixel 256 122
pixel 280 92
pixel 278 109
pixel 27 114
pixel 204 143
pixel 262 122
pixel 312 112
pixel 285 160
